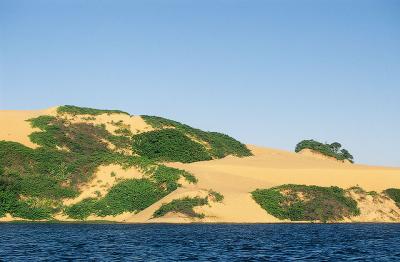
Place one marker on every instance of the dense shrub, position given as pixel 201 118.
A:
pixel 131 195
pixel 306 203
pixel 169 145
pixel 10 201
pixel 75 110
pixel 8 195
pixel 218 145
pixel 82 209
pixel 331 150
pixel 394 194
pixel 28 211
pixel 184 206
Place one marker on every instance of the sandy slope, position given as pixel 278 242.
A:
pixel 236 177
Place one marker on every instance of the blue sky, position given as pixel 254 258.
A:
pixel 266 72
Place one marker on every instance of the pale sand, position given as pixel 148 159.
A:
pixel 235 178
pixel 14 126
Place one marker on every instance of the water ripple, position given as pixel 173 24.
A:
pixel 104 242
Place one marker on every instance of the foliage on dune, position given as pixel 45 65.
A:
pixel 216 144
pixel 183 206
pixel 334 150
pixel 186 205
pixel 75 110
pixel 169 145
pixel 394 194
pixel 306 203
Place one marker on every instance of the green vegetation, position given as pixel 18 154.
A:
pixel 35 182
pixel 332 150
pixel 75 110
pixel 131 195
pixel 394 194
pixel 28 208
pixel 216 144
pixel 184 206
pixel 169 145
pixel 306 203
pixel 215 196
pixel 84 147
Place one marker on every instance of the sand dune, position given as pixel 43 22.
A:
pixel 233 177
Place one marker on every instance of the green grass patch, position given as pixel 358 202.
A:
pixel 82 209
pixel 219 145
pixel 394 194
pixel 306 203
pixel 215 196
pixel 133 195
pixel 75 110
pixel 184 206
pixel 169 145
pixel 334 150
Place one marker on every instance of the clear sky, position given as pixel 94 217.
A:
pixel 266 72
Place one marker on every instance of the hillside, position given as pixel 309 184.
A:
pixel 70 163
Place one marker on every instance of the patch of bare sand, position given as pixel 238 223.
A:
pixel 14 126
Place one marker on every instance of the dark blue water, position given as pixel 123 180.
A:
pixel 104 242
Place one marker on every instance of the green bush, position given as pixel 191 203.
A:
pixel 32 212
pixel 8 196
pixel 332 150
pixel 167 177
pixel 169 145
pixel 75 110
pixel 306 203
pixel 219 145
pixel 217 197
pixel 394 194
pixel 184 206
pixel 82 209
pixel 131 195
pixel 189 177
pixel 46 186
